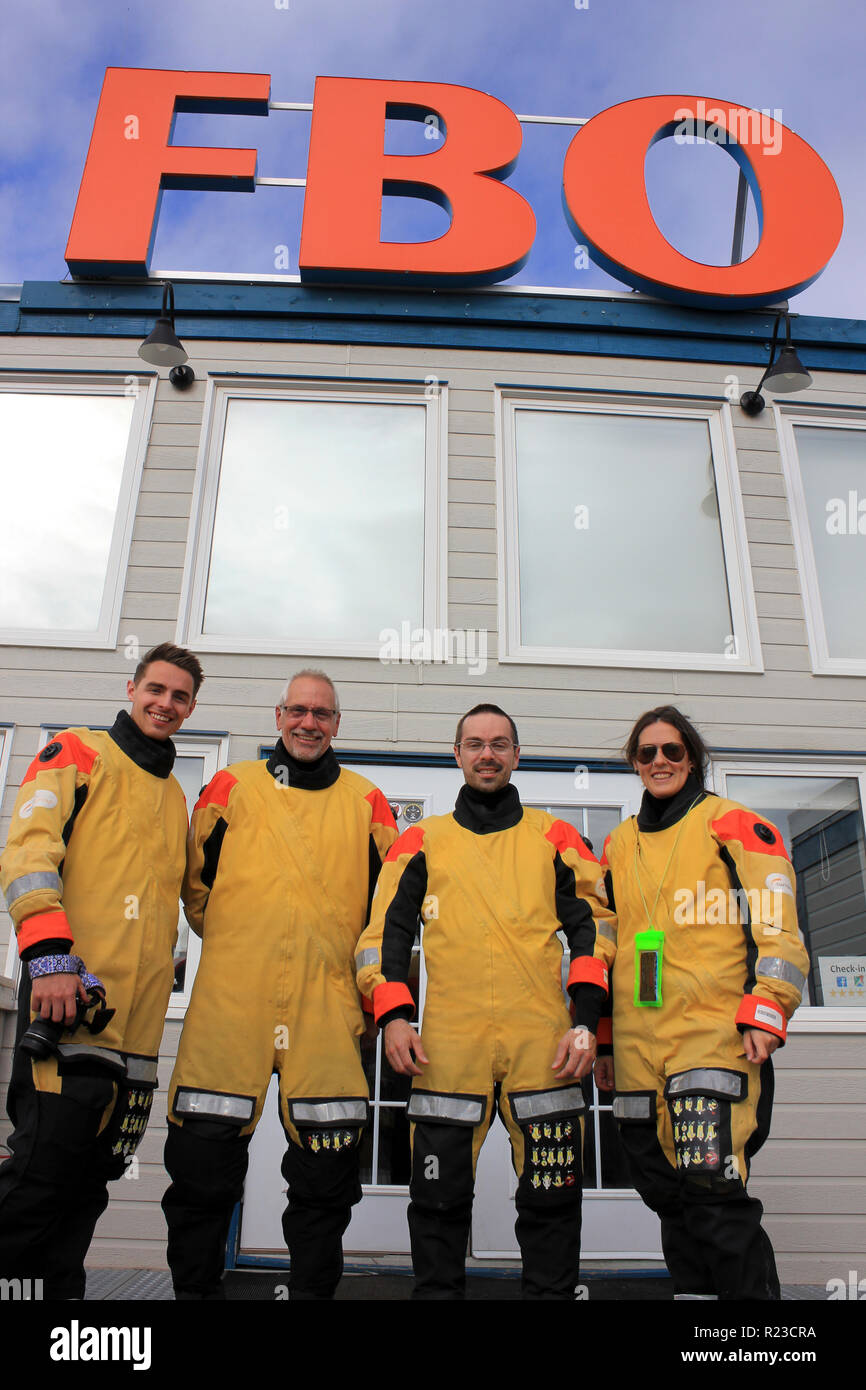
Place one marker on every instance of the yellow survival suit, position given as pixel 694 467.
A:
pixel 283 860
pixel 492 892
pixel 93 866
pixel 716 880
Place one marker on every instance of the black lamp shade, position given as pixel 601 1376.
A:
pixel 163 348
pixel 787 373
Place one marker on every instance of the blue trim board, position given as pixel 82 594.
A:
pixel 435 318
pixel 541 762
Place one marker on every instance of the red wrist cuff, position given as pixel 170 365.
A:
pixel 755 1012
pixel 391 996
pixel 585 970
pixel 43 926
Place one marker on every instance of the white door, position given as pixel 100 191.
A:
pixel 616 1224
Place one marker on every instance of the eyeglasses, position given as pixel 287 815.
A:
pixel 477 745
pixel 674 752
pixel 321 715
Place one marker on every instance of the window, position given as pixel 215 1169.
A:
pixel 824 458
pixel 197 761
pixel 72 453
pixel 319 520
pixel 11 955
pixel 819 811
pixel 623 541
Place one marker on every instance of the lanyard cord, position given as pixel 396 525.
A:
pixel 650 916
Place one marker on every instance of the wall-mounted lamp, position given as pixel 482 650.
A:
pixel 163 348
pixel 787 373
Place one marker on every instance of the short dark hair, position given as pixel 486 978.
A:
pixel 486 709
pixel 175 656
pixel 696 749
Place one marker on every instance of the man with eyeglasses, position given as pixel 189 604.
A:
pixel 494 882
pixel 284 855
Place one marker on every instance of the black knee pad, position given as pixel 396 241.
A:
pixel 552 1162
pixel 441 1165
pixel 324 1170
pixel 652 1175
pixel 207 1159
pixel 699 1104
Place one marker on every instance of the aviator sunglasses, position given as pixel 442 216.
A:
pixel 674 752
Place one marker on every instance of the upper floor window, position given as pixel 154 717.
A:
pixel 70 464
pixel 623 541
pixel 318 518
pixel 824 457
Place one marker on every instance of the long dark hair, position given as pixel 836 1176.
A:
pixel 696 749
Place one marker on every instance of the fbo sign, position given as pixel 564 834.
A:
pixel 131 160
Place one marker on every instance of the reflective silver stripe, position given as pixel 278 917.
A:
pixel 141 1068
pixel 216 1106
pixel 329 1112
pixel 100 1054
pixel 564 1098
pixel 463 1109
pixel 633 1108
pixel 32 883
pixel 706 1079
pixel 606 930
pixel 368 957
pixel 777 969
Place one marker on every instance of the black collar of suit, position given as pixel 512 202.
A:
pixel 485 812
pixel 310 777
pixel 659 812
pixel 154 755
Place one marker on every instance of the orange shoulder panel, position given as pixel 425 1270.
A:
pixel 408 843
pixel 604 860
pixel 217 790
pixel 754 834
pixel 564 836
pixel 66 750
pixel 382 814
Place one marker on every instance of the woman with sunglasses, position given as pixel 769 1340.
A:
pixel 709 967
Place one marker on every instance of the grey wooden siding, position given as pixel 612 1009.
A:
pixel 811 1174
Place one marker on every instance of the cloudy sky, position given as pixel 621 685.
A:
pixel 800 58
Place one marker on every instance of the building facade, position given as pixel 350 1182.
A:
pixel 551 501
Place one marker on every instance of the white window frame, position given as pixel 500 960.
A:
pixel 809 1018
pixel 787 417
pixel 7 734
pixel 142 386
pixel 220 391
pixel 741 596
pixel 215 750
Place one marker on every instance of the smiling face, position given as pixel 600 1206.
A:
pixel 307 737
pixel 663 777
pixel 485 769
pixel 162 699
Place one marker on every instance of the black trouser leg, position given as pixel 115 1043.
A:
pixel 440 1211
pixel 736 1248
pixel 53 1187
pixel 324 1184
pixel 207 1163
pixel 658 1185
pixel 549 1211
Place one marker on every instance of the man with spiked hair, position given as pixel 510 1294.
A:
pixel 283 861
pixel 91 874
pixel 493 883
